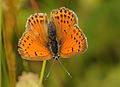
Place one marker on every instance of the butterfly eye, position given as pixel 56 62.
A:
pixel 55 57
pixel 58 56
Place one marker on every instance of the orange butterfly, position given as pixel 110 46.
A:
pixel 60 37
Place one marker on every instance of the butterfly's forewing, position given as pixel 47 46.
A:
pixel 38 25
pixel 63 19
pixel 72 40
pixel 33 43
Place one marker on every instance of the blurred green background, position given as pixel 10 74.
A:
pixel 98 67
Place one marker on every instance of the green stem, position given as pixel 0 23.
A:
pixel 42 72
pixel 0 37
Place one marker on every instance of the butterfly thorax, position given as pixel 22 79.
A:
pixel 53 43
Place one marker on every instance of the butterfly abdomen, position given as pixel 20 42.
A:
pixel 52 39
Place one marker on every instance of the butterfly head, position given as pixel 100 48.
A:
pixel 56 57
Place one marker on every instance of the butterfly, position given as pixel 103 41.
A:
pixel 59 37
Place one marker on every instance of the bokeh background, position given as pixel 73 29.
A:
pixel 98 67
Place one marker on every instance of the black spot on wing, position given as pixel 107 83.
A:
pixel 76 41
pixel 68 17
pixel 29 20
pixel 27 37
pixel 41 21
pixel 35 16
pixel 61 21
pixel 25 41
pixel 32 18
pixel 72 49
pixel 61 15
pixel 76 33
pixel 37 20
pixel 36 53
pixel 65 11
pixel 74 38
pixel 67 22
pixel 61 10
pixel 22 44
pixel 71 36
pixel 65 31
pixel 57 17
pixel 40 16
pixel 64 15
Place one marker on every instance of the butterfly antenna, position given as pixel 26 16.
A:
pixel 64 68
pixel 50 70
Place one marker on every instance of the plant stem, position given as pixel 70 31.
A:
pixel 0 38
pixel 42 72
